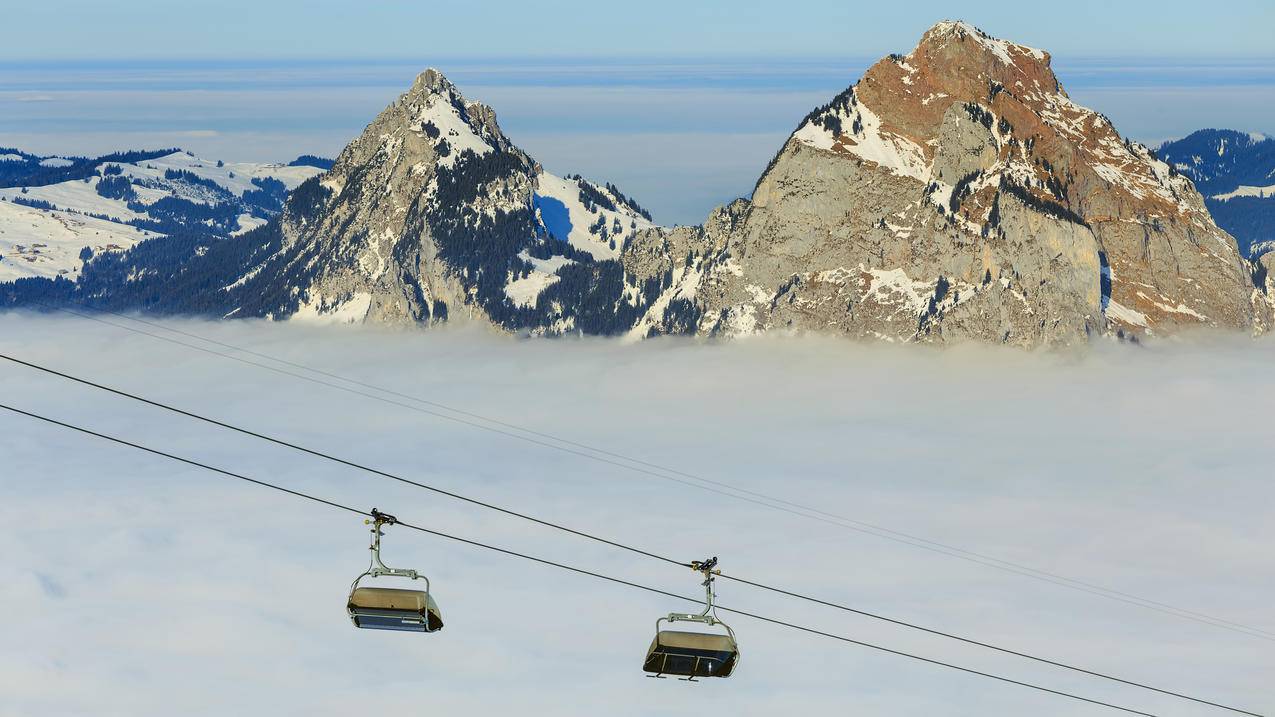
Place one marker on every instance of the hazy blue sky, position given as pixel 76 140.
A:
pixel 653 28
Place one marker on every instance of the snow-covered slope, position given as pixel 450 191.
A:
pixel 527 287
pixel 116 204
pixel 1244 190
pixel 152 180
pixel 38 242
pixel 235 177
pixel 82 197
pixel 589 217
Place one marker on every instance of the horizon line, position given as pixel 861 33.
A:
pixel 701 59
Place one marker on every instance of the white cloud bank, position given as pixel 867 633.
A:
pixel 137 586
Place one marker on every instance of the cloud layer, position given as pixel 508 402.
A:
pixel 150 588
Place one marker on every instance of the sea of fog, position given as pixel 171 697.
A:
pixel 682 136
pixel 136 585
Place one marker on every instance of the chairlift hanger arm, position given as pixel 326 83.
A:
pixel 708 616
pixel 377 567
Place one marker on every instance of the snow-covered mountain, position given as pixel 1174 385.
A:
pixel 1236 173
pixel 54 208
pixel 954 193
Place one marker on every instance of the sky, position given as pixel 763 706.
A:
pixel 145 587
pixel 235 29
pixel 681 105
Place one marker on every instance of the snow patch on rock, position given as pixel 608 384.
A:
pixel 894 287
pixel 441 112
pixel 317 311
pixel 1119 312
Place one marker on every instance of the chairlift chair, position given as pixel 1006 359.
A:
pixel 694 654
pixel 375 608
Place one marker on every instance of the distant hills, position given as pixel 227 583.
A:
pixel 1235 171
pixel 55 212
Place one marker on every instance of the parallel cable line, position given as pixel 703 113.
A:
pixel 339 460
pixel 986 645
pixel 570 568
pixel 609 542
pixel 651 469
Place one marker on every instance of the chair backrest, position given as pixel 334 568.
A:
pixel 394 609
pixel 390 598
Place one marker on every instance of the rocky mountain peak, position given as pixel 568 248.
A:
pixel 958 192
pixel 958 60
pixel 437 108
pixel 432 81
pixel 433 214
pixel 958 37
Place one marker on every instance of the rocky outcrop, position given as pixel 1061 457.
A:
pixel 957 193
pixel 1264 293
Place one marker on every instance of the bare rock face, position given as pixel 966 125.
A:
pixel 965 146
pixel 957 193
pixel 685 264
pixel 1264 293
